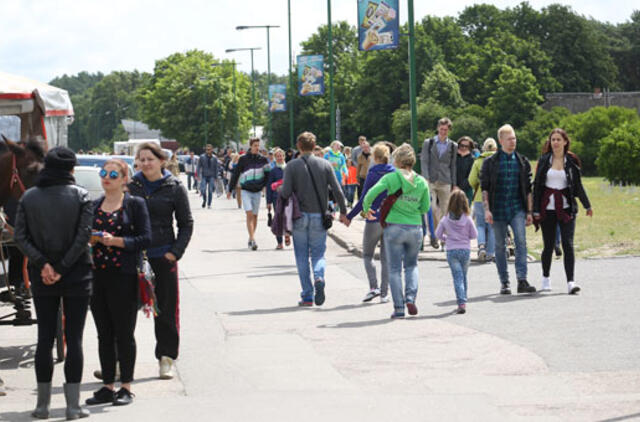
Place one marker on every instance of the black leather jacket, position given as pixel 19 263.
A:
pixel 171 197
pixel 53 225
pixel 574 182
pixel 489 182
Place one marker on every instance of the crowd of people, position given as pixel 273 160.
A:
pixel 92 254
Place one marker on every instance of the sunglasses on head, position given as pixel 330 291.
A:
pixel 113 174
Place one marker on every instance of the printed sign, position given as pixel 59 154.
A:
pixel 277 98
pixel 310 75
pixel 377 24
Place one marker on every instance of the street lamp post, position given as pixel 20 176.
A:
pixel 412 78
pixel 268 27
pixel 291 94
pixel 332 104
pixel 253 83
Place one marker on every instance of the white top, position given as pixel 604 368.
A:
pixel 556 179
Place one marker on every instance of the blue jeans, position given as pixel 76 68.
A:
pixel 402 243
pixel 432 230
pixel 517 224
pixel 349 193
pixel 485 231
pixel 195 182
pixel 210 182
pixel 309 241
pixel 458 260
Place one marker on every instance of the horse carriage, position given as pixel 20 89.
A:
pixel 36 116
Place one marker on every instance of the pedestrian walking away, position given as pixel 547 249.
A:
pixel 167 202
pixel 486 238
pixel 373 231
pixel 207 169
pixel 121 230
pixel 274 180
pixel 557 184
pixel 508 201
pixel 402 235
pixel 251 174
pixel 457 229
pixel 57 245
pixel 363 161
pixel 438 165
pixel 309 178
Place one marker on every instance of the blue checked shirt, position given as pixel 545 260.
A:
pixel 508 199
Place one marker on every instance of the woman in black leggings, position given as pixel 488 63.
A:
pixel 121 230
pixel 53 227
pixel 557 185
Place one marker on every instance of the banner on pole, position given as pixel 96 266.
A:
pixel 310 75
pixel 277 98
pixel 378 24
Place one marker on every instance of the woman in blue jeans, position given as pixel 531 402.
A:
pixel 486 237
pixel 403 226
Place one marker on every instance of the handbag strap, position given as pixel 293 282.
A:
pixel 313 183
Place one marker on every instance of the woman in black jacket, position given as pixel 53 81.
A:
pixel 557 185
pixel 53 227
pixel 121 230
pixel 464 162
pixel 166 199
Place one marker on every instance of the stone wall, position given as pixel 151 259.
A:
pixel 578 102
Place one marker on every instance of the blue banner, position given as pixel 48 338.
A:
pixel 310 75
pixel 378 24
pixel 277 98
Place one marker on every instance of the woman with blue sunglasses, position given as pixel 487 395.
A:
pixel 121 230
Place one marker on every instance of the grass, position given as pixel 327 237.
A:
pixel 614 229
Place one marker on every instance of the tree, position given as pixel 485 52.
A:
pixel 516 97
pixel 536 130
pixel 442 86
pixel 619 154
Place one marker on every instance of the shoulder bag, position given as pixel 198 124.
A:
pixel 327 218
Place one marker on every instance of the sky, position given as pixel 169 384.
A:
pixel 43 39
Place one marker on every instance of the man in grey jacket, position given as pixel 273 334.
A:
pixel 438 164
pixel 309 233
pixel 208 173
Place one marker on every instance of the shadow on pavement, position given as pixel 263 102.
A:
pixel 498 298
pixel 622 418
pixel 14 357
pixel 358 324
pixel 55 414
pixel 273 274
pixel 346 307
pixel 226 250
pixel 266 311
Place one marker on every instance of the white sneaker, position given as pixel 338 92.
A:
pixel 546 285
pixel 166 368
pixel 371 295
pixel 573 288
pixel 385 299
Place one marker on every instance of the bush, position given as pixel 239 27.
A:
pixel 534 133
pixel 619 155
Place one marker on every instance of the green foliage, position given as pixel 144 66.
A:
pixel 442 86
pixel 536 131
pixel 77 84
pixel 516 97
pixel 469 125
pixel 619 155
pixel 587 130
pixel 428 114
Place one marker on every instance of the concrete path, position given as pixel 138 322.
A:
pixel 249 353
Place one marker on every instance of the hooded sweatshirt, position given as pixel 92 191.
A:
pixel 474 175
pixel 457 232
pixel 413 202
pixel 373 176
pixel 338 162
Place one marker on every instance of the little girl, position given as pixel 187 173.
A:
pixel 350 183
pixel 457 230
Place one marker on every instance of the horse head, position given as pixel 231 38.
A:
pixel 20 163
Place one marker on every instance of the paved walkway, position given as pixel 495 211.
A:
pixel 248 353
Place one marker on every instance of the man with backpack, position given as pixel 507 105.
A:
pixel 438 165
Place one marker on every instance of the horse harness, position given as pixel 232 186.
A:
pixel 15 176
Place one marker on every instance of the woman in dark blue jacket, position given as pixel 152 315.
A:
pixel 275 175
pixel 373 230
pixel 121 230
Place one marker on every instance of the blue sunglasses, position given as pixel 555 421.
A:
pixel 112 174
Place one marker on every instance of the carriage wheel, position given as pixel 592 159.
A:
pixel 60 342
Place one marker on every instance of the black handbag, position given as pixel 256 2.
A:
pixel 327 217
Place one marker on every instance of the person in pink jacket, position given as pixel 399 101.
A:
pixel 456 229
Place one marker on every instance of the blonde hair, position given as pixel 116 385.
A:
pixel 277 150
pixel 505 129
pixel 404 156
pixel 381 152
pixel 489 145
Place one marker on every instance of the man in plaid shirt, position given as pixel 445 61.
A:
pixel 507 198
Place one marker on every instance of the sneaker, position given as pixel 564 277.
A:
pixel 203 204
pixel 482 254
pixel 385 299
pixel 279 246
pixel 166 368
pixel 287 239
pixel 573 288
pixel 558 251
pixel 123 397
pixel 397 315
pixel 412 308
pixel 546 284
pixel 371 295
pixel 461 309
pixel 254 245
pixel 102 396
pixel 319 287
pixel 505 289
pixel 525 287
pixel 209 206
pixel 434 243
pixel 250 244
pixel 305 303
